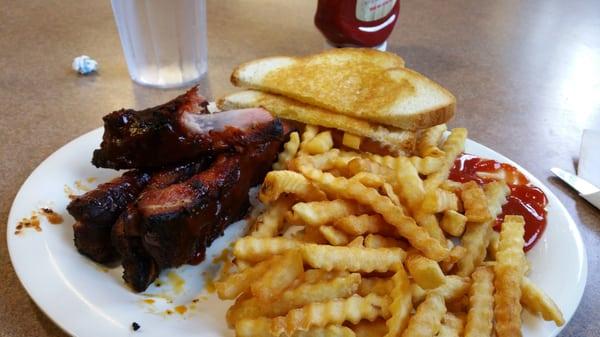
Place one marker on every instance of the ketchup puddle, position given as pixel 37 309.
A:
pixel 525 199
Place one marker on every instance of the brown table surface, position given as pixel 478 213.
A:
pixel 526 75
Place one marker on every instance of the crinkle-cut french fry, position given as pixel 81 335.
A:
pixel 454 287
pixel 328 331
pixel 332 159
pixel 313 235
pixel 425 272
pixel 310 131
pixel 453 223
pixel 358 165
pixel 318 275
pixel 427 165
pixel 351 258
pixel 364 328
pixel 439 200
pixel 493 246
pixel 238 283
pixel 475 240
pixel 410 185
pixel 392 214
pixel 351 141
pixel 429 139
pixel 430 223
pixel 496 193
pixel 452 326
pixel 304 294
pixel 282 272
pixel 380 241
pixel 452 147
pixel 318 213
pixel 334 236
pixel 509 273
pixel 452 186
pixel 320 143
pixel 481 304
pixel 428 318
pixel 477 235
pixel 242 264
pixel 365 224
pixel 456 253
pixel 289 151
pixel 368 179
pixel 268 223
pixel 352 309
pixel 254 249
pixel 401 303
pixel 475 202
pixel 358 241
pixel 538 303
pixel 290 182
pixel 375 285
pixel 389 192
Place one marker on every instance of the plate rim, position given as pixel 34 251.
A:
pixel 71 329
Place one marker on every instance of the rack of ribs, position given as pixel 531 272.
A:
pixel 177 131
pixel 191 173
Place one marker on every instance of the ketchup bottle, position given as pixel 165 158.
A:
pixel 362 23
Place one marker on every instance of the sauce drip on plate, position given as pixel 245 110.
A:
pixel 525 199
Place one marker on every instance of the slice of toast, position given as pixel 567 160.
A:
pixel 398 141
pixel 361 83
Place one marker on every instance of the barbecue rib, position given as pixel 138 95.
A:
pixel 180 221
pixel 139 268
pixel 96 211
pixel 179 130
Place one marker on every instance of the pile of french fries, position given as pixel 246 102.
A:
pixel 358 244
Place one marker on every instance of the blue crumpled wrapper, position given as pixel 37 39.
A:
pixel 84 64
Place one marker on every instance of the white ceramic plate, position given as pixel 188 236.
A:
pixel 86 299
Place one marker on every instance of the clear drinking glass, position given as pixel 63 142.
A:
pixel 164 41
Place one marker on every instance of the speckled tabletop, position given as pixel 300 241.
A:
pixel 526 75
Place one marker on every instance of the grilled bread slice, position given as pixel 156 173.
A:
pixel 395 140
pixel 360 83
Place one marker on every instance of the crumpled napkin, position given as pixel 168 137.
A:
pixel 589 163
pixel 84 64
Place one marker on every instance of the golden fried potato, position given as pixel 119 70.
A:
pixel 364 224
pixel 310 131
pixel 351 258
pixel 425 272
pixel 452 147
pixel 366 328
pixel 277 183
pixel 290 148
pixel 452 326
pixel 320 143
pixel 254 249
pixel 429 139
pixel 282 272
pixel 375 285
pixel 475 202
pixel 509 272
pixel 481 304
pixel 454 287
pixel 269 222
pixel 318 213
pixel 427 321
pixel 338 311
pixel 358 241
pixel 334 236
pixel 456 253
pixel 380 241
pixel 427 165
pixel 240 282
pixel 392 214
pixel 538 303
pixel 320 291
pixel 439 201
pixel 453 223
pixel 401 303
pixel 351 141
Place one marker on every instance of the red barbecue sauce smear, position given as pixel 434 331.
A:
pixel 525 199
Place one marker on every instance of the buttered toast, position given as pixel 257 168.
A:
pixel 397 141
pixel 360 83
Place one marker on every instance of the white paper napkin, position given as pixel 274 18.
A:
pixel 589 163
